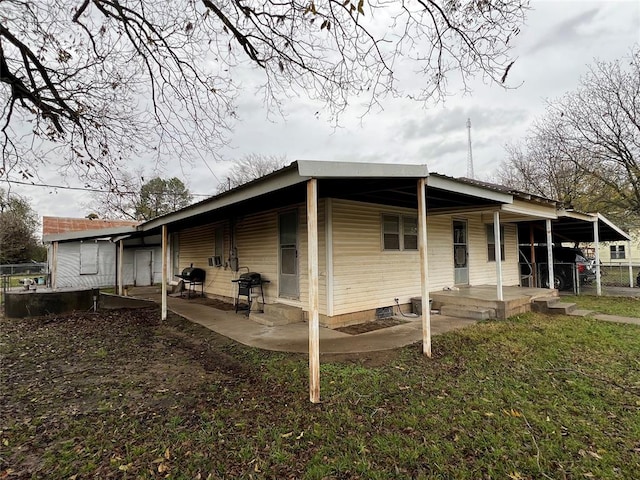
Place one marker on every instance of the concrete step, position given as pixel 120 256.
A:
pixel 474 313
pixel 543 304
pixel 293 314
pixel 277 314
pixel 552 305
pixel 270 320
pixel 562 308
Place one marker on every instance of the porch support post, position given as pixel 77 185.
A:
pixel 424 266
pixel 549 253
pixel 314 301
pixel 596 241
pixel 120 267
pixel 630 264
pixel 498 252
pixel 164 272
pixel 534 270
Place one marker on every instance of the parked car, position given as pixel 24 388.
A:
pixel 566 260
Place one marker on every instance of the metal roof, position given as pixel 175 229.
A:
pixel 572 226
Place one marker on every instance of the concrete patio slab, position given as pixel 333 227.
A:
pixel 295 337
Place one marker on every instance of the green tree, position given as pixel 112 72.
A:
pixel 18 231
pixel 159 196
pixel 139 200
pixel 105 80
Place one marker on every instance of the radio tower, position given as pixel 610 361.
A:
pixel 470 153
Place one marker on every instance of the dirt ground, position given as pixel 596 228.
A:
pixel 61 368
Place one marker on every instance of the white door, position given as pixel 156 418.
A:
pixel 288 255
pixel 143 268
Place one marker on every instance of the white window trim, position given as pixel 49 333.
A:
pixel 491 246
pixel 401 234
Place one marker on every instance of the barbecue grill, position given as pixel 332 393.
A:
pixel 247 283
pixel 192 277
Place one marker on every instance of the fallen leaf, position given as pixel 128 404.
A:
pixel 512 413
pixel 167 454
pixel 286 435
pixel 594 455
pixel 125 468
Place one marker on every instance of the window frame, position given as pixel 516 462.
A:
pixel 617 252
pixel 491 243
pixel 88 250
pixel 402 221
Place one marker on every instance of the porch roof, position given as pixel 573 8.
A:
pixel 387 184
pixel 572 226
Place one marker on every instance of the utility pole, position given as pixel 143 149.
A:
pixel 470 153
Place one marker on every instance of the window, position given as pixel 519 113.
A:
pixel 617 252
pixel 491 243
pixel 399 232
pixel 410 233
pixel 88 258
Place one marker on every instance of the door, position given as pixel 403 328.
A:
pixel 142 268
pixel 288 255
pixel 460 253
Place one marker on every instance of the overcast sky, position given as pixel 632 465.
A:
pixel 555 47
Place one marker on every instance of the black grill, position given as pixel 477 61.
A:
pixel 247 283
pixel 193 277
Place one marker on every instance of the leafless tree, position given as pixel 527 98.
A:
pixel 94 83
pixel 249 168
pixel 586 149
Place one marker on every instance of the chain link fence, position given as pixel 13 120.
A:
pixel 616 274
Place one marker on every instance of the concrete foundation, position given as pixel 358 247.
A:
pixel 35 303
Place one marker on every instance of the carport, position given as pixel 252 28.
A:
pixel 576 227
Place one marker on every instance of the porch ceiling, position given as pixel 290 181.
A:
pixel 399 192
pixel 566 229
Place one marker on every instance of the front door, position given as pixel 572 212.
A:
pixel 460 253
pixel 142 268
pixel 288 255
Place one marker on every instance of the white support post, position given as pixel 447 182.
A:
pixel 498 251
pixel 596 241
pixel 314 300
pixel 424 266
pixel 550 254
pixel 164 272
pixel 120 267
pixel 630 264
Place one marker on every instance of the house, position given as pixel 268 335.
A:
pixel 80 253
pixel 368 227
pixel 615 253
pixel 336 243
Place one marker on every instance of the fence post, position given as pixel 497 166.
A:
pixel 630 264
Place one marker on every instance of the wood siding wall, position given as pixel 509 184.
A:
pixel 257 246
pixel 366 277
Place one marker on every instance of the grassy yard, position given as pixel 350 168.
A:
pixel 625 306
pixel 122 395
